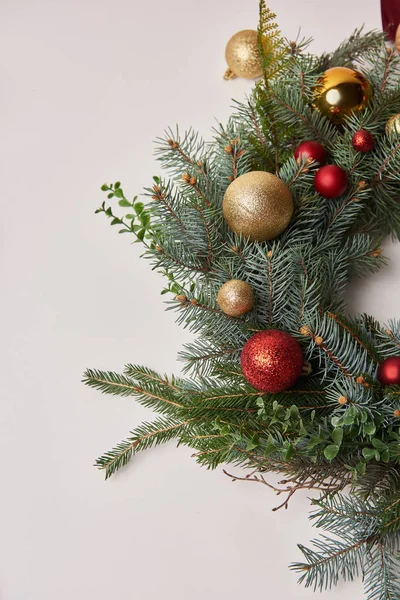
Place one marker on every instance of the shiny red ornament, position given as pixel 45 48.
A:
pixel 390 17
pixel 363 141
pixel 312 151
pixel 331 181
pixel 389 371
pixel 272 361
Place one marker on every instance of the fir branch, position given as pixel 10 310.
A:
pixel 330 560
pixel 148 434
pixel 351 50
pixel 351 329
pixel 151 395
pixel 139 373
pixel 381 574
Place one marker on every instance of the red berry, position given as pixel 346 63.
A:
pixel 331 181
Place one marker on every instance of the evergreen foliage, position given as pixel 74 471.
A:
pixel 338 429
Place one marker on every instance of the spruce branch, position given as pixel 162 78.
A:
pixel 151 393
pixel 351 50
pixel 146 435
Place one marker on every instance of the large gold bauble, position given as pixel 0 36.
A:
pixel 235 298
pixel 397 42
pixel 242 55
pixel 258 205
pixel 393 125
pixel 341 92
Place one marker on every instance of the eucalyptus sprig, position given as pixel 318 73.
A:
pixel 136 222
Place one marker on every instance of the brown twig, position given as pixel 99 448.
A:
pixel 313 484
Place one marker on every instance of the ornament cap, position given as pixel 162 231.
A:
pixel 229 74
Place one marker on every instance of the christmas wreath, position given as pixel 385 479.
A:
pixel 257 234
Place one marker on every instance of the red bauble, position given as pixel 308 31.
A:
pixel 331 181
pixel 390 17
pixel 311 150
pixel 389 371
pixel 363 141
pixel 272 361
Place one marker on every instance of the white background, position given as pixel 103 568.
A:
pixel 85 87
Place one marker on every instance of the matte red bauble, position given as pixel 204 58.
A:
pixel 389 371
pixel 331 181
pixel 363 141
pixel 312 151
pixel 272 361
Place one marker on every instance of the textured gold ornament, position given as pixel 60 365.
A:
pixel 340 92
pixel 242 55
pixel 397 42
pixel 236 298
pixel 258 205
pixel 393 125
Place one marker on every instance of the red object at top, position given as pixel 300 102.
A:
pixel 390 17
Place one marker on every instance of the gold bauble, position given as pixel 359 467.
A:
pixel 341 92
pixel 236 298
pixel 258 205
pixel 397 42
pixel 242 55
pixel 393 125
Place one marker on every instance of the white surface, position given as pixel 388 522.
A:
pixel 85 87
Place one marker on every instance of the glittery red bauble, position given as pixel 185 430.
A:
pixel 272 361
pixel 389 371
pixel 311 150
pixel 363 141
pixel 331 181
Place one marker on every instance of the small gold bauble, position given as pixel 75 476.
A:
pixel 242 55
pixel 393 125
pixel 340 92
pixel 258 205
pixel 236 298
